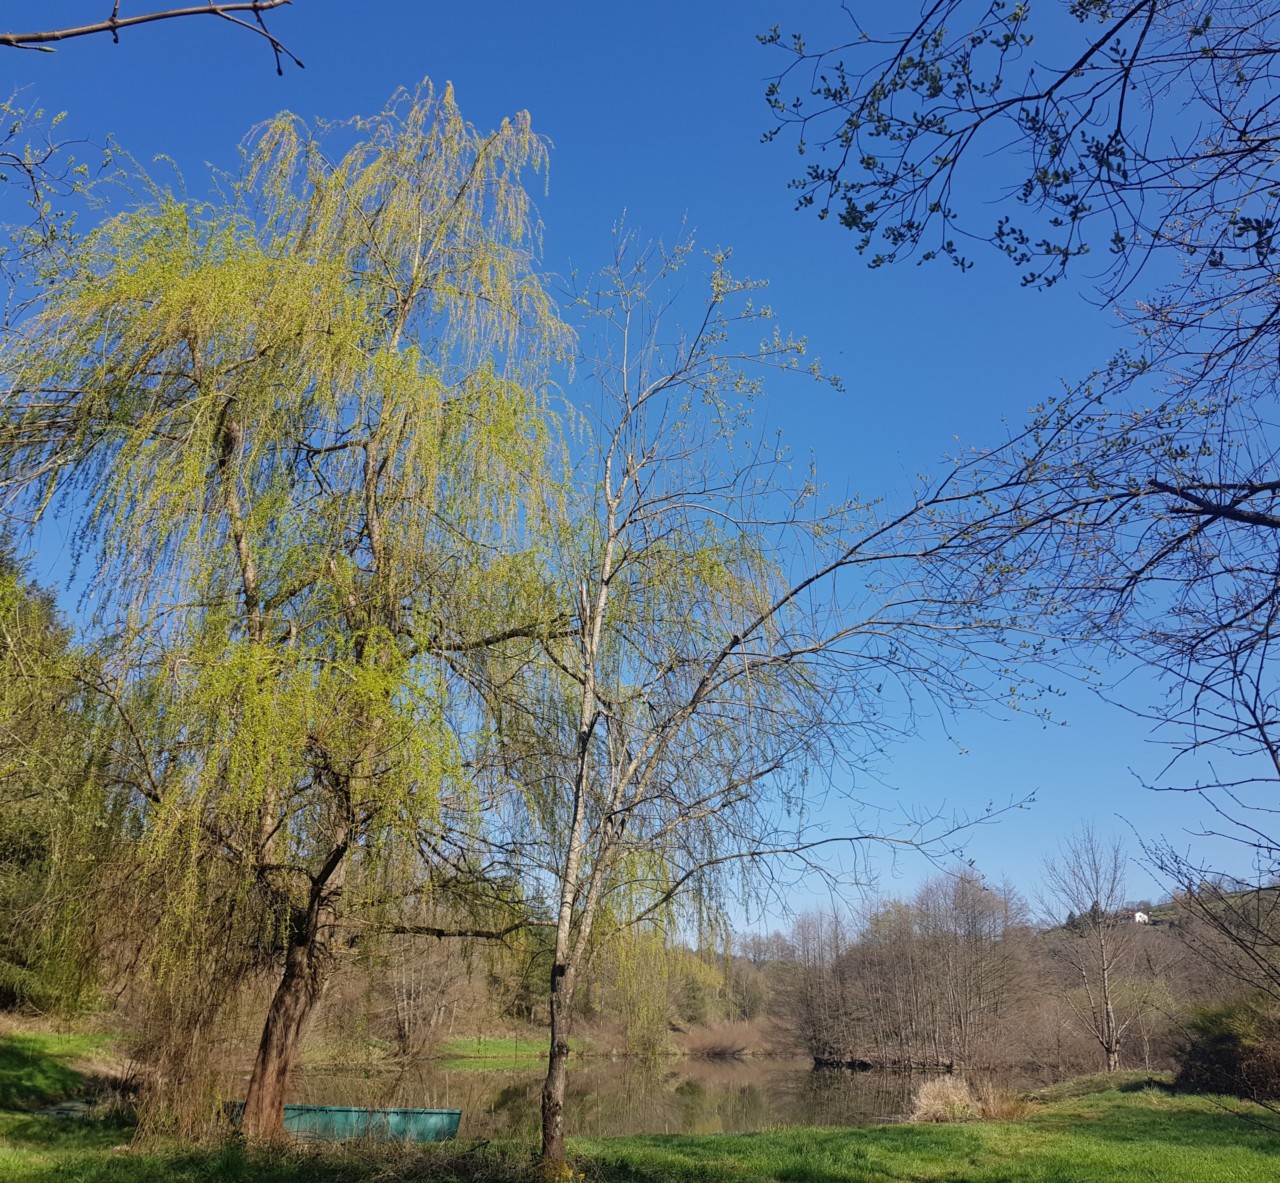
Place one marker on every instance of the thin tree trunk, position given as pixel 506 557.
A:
pixel 1111 1043
pixel 553 1087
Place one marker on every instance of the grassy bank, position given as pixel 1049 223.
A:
pixel 1083 1132
pixel 39 1068
pixel 1102 1137
pixel 1107 1137
pixel 484 1052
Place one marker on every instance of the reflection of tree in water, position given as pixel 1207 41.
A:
pixel 630 1096
pixel 506 1108
pixel 665 1096
pixel 710 1096
pixel 834 1096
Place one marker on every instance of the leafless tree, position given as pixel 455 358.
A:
pixel 820 996
pixel 1142 502
pixel 1085 891
pixel 927 982
pixel 1232 925
pixel 970 928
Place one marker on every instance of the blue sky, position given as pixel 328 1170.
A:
pixel 656 109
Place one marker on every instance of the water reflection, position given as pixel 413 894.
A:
pixel 628 1096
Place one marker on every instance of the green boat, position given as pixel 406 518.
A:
pixel 342 1123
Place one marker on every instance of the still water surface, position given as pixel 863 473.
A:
pixel 675 1096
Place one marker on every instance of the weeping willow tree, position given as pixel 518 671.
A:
pixel 734 645
pixel 293 427
pixel 51 821
pixel 641 970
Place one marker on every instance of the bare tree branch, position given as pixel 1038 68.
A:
pixel 39 39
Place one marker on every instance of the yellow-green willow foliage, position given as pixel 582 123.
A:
pixel 640 969
pixel 53 831
pixel 294 426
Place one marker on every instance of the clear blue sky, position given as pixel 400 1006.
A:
pixel 656 109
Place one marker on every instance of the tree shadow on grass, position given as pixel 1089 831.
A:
pixel 790 1156
pixel 1107 1142
pixel 1206 1123
pixel 49 1150
pixel 30 1077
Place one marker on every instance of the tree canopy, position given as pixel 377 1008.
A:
pixel 376 615
pixel 51 801
pixel 734 649
pixel 1139 504
pixel 293 427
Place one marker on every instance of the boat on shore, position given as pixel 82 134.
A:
pixel 344 1123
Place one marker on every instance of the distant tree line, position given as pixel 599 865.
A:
pixel 961 976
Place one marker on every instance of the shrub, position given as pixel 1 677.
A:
pixel 1233 1049
pixel 945 1098
pixel 996 1104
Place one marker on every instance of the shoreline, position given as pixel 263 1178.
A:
pixel 1102 1129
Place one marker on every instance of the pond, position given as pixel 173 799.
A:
pixel 627 1096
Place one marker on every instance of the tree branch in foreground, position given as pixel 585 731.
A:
pixel 115 22
pixel 481 934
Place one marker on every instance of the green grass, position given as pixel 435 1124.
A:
pixel 1145 1136
pixel 37 1149
pixel 1132 1081
pixel 1096 1134
pixel 484 1052
pixel 34 1068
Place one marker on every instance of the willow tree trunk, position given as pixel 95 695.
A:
pixel 306 969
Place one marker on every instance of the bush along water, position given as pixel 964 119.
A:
pixel 1233 1049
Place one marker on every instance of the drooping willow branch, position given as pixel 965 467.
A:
pixel 112 24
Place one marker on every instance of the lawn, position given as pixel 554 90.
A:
pixel 1084 1132
pixel 1103 1137
pixel 36 1067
